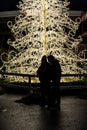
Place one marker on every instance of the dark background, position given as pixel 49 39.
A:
pixel 8 5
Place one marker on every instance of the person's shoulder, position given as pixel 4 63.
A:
pixel 56 61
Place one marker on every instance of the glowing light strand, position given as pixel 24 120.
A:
pixel 43 27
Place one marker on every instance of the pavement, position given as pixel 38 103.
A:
pixel 22 116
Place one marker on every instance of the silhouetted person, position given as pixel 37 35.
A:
pixel 55 74
pixel 82 29
pixel 43 74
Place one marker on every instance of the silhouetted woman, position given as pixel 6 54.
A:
pixel 55 74
pixel 43 74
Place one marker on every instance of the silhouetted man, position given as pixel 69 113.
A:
pixel 55 74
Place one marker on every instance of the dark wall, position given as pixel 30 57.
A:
pixel 7 5
pixel 78 5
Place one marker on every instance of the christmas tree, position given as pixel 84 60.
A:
pixel 42 28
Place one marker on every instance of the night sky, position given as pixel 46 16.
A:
pixel 8 5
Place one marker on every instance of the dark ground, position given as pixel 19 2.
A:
pixel 23 116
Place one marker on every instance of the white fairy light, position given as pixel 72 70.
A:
pixel 43 27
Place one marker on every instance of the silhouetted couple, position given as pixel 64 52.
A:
pixel 49 74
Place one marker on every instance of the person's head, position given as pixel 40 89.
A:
pixel 44 58
pixel 51 58
pixel 84 16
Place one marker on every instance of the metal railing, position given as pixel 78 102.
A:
pixel 30 76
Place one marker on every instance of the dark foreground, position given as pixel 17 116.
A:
pixel 21 116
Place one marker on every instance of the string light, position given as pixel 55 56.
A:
pixel 42 28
